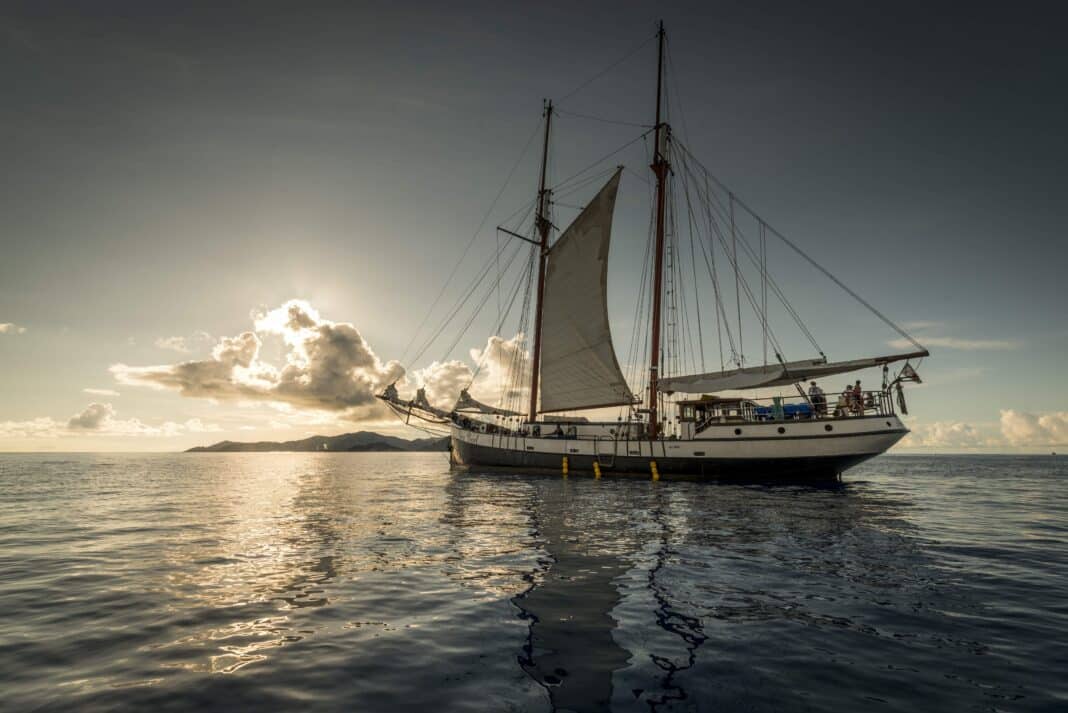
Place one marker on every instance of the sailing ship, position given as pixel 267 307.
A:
pixel 709 424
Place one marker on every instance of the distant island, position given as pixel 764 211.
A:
pixel 361 441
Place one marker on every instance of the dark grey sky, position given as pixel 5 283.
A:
pixel 169 168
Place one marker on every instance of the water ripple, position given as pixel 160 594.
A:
pixel 387 582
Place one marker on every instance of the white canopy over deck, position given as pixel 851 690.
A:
pixel 773 374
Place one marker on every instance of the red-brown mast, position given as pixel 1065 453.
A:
pixel 660 169
pixel 542 222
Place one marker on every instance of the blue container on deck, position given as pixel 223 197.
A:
pixel 767 413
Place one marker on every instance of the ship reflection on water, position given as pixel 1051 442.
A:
pixel 617 584
pixel 570 649
pixel 618 606
pixel 388 582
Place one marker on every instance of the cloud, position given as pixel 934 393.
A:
pixel 36 428
pixel 92 417
pixel 100 419
pixel 1026 429
pixel 173 343
pixel 1015 430
pixel 946 434
pixel 195 425
pixel 443 381
pixel 100 392
pixel 493 382
pixel 182 344
pixel 11 328
pixel 923 324
pixel 955 343
pixel 328 366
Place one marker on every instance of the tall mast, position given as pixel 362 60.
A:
pixel 660 169
pixel 542 223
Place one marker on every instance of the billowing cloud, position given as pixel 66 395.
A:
pixel 1026 429
pixel 946 434
pixel 443 381
pixel 328 366
pixel 92 417
pixel 493 382
pixel 11 328
pixel 1015 430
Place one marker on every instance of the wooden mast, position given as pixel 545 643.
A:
pixel 660 169
pixel 542 223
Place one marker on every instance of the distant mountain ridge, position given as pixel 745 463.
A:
pixel 361 441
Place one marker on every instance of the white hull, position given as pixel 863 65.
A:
pixel 771 450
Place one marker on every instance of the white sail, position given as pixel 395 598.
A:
pixel 772 374
pixel 579 368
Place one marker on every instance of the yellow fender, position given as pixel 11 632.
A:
pixel 565 466
pixel 652 467
pixel 596 469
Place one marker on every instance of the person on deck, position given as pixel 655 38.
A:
pixel 858 398
pixel 818 399
pixel 845 402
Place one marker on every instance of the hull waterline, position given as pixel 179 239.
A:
pixel 758 458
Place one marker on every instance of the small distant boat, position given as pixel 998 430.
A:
pixel 690 424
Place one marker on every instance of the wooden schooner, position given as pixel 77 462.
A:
pixel 687 424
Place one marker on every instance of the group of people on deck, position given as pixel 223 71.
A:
pixel 851 400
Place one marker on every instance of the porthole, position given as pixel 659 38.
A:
pixel 828 427
pixel 737 431
pixel 782 430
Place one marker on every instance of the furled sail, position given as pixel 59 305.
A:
pixel 579 368
pixel 773 374
pixel 467 403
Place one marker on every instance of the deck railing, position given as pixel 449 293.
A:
pixel 796 408
pixel 756 410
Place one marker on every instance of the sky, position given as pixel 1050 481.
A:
pixel 228 221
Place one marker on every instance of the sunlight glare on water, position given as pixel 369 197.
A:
pixel 388 582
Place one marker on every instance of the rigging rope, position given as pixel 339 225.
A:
pixel 740 279
pixel 559 186
pixel 470 242
pixel 478 308
pixel 693 266
pixel 457 306
pixel 500 325
pixel 752 256
pixel 793 246
pixel 737 296
pixel 606 70
pixel 601 119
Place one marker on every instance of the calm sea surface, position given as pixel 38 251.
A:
pixel 381 582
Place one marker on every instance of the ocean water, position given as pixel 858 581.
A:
pixel 385 582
